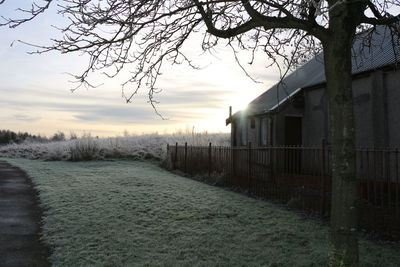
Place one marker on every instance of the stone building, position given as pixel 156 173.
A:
pixel 295 111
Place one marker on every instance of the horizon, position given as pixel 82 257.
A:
pixel 73 135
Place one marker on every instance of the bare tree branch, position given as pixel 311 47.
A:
pixel 143 35
pixel 382 20
pixel 259 20
pixel 32 13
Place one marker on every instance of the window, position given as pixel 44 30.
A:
pixel 252 123
pixel 264 131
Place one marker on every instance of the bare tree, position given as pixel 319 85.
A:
pixel 118 33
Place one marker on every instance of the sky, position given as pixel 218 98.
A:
pixel 36 97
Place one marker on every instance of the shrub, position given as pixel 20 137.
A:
pixel 85 148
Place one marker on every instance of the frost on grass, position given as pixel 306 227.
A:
pixel 132 213
pixel 89 148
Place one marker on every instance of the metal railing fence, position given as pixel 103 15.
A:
pixel 300 177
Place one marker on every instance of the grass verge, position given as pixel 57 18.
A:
pixel 132 213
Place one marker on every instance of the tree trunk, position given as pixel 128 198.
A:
pixel 344 218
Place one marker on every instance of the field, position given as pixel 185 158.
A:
pixel 132 213
pixel 89 148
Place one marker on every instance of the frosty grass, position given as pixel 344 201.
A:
pixel 132 213
pixel 89 148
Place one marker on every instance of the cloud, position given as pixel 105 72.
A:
pixel 193 98
pixel 174 104
pixel 134 115
pixel 24 117
pixel 122 114
pixel 175 107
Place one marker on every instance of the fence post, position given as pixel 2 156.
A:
pixel 272 184
pixel 168 155
pixel 209 159
pixel 397 210
pixel 176 155
pixel 249 171
pixel 323 200
pixel 185 157
pixel 232 170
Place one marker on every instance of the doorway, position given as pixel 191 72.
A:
pixel 293 131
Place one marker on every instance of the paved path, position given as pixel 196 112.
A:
pixel 20 218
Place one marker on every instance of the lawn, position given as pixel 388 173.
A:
pixel 133 213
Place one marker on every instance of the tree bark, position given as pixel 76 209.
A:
pixel 344 217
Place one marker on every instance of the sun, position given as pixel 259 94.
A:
pixel 239 100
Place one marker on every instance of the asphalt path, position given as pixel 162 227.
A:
pixel 20 220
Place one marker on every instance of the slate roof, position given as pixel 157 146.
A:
pixel 381 53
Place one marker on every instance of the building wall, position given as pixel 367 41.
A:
pixel 315 117
pixel 376 99
pixel 392 84
pixel 369 113
pixel 363 110
pixel 276 126
pixel 251 134
pixel 253 131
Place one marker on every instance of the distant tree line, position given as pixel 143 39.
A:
pixel 10 137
